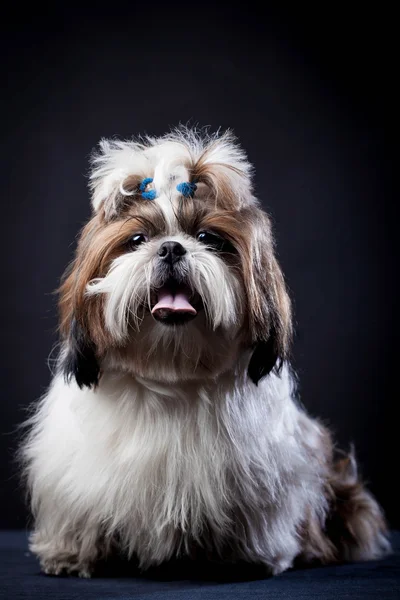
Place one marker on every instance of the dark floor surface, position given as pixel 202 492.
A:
pixel 20 577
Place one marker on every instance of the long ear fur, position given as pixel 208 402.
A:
pixel 265 357
pixel 81 324
pixel 80 359
pixel 269 304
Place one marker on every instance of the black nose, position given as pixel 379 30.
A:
pixel 170 252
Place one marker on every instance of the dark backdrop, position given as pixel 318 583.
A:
pixel 309 96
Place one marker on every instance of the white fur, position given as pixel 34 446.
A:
pixel 166 160
pixel 157 464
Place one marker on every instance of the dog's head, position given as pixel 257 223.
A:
pixel 175 276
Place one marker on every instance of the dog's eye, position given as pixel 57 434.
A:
pixel 137 239
pixel 210 239
pixel 215 241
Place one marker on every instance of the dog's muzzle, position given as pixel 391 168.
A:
pixel 175 302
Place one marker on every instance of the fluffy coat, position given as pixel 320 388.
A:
pixel 157 439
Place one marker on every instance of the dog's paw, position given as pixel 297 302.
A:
pixel 53 566
pixel 280 565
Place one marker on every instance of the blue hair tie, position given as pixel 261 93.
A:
pixel 187 189
pixel 150 194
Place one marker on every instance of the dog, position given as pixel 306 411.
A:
pixel 172 423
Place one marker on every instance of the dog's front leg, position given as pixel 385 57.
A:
pixel 67 553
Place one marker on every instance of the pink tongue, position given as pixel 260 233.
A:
pixel 177 302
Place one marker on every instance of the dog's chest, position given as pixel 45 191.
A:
pixel 166 470
pixel 173 460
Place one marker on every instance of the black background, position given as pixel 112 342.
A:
pixel 309 93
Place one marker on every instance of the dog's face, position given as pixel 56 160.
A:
pixel 175 276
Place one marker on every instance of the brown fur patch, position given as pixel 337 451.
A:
pixel 269 303
pixel 354 528
pixel 249 231
pixel 355 525
pixel 100 243
pixel 316 546
pixel 218 179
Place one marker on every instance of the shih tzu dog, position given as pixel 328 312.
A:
pixel 171 425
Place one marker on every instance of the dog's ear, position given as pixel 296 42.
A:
pixel 265 357
pixel 80 359
pixel 269 305
pixel 81 317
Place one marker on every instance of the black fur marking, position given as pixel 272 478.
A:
pixel 80 361
pixel 264 359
